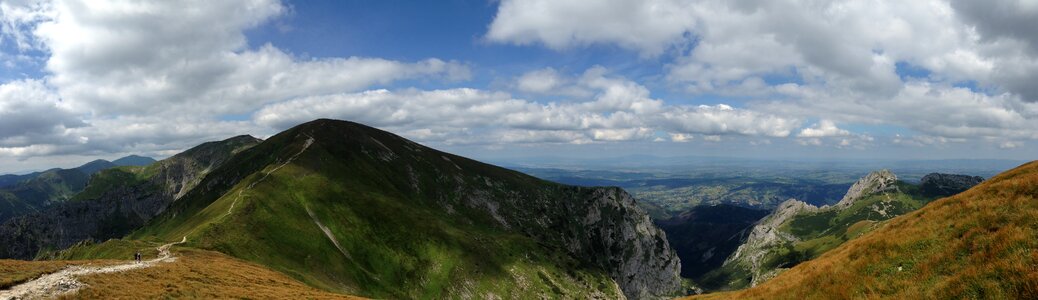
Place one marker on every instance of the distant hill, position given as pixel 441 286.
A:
pixel 7 180
pixel 981 243
pixel 134 160
pixel 95 166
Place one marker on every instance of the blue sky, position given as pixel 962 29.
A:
pixel 507 79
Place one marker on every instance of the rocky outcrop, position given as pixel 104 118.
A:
pixel 180 173
pixel 875 182
pixel 115 202
pixel 944 185
pixel 766 236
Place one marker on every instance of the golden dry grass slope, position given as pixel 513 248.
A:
pixel 980 244
pixel 14 272
pixel 196 274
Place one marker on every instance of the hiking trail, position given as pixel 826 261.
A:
pixel 64 281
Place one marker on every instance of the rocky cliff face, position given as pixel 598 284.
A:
pixel 603 227
pixel 944 185
pixel 627 244
pixel 180 173
pixel 115 201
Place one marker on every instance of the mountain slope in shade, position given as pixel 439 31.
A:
pixel 982 243
pixel 350 208
pixel 44 189
pixel 705 236
pixel 22 194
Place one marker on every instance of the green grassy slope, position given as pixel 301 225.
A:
pixel 821 231
pixel 365 212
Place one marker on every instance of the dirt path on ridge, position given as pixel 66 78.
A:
pixel 64 281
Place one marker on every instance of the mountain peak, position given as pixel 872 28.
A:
pixel 346 177
pixel 133 160
pixel 95 166
pixel 875 182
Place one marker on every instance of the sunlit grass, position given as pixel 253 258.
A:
pixel 199 274
pixel 14 272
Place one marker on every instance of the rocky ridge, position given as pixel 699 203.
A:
pixel 875 182
pixel 767 236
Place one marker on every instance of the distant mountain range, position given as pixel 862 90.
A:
pixel 692 165
pixel 20 194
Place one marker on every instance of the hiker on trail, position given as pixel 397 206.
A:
pixel 137 257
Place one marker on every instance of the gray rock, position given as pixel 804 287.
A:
pixel 766 236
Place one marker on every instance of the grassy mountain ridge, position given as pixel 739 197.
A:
pixel 350 208
pixel 981 243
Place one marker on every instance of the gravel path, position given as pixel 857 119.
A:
pixel 64 282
